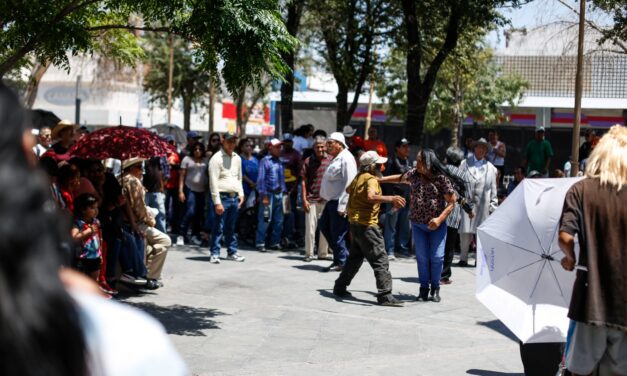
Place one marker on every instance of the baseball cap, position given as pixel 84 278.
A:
pixel 230 136
pixel 540 129
pixel 287 137
pixel 192 134
pixel 371 157
pixel 403 141
pixel 275 142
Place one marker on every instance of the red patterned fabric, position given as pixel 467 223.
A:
pixel 120 143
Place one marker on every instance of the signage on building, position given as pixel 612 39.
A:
pixel 64 95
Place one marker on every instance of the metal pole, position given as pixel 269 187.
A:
pixel 578 90
pixel 77 112
pixel 170 74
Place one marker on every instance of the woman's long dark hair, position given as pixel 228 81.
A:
pixel 436 167
pixel 40 332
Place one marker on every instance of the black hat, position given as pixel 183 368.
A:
pixel 230 136
pixel 402 142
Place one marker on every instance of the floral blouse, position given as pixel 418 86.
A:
pixel 427 196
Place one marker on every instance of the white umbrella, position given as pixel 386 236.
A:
pixel 519 276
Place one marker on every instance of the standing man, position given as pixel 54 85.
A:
pixel 482 178
pixel 192 138
pixel 333 223
pixel 373 143
pixel 397 219
pixel 586 147
pixel 367 240
pixel 538 154
pixel 496 155
pixel 270 186
pixel 595 211
pixel 64 133
pixel 311 175
pixel 44 139
pixel 227 195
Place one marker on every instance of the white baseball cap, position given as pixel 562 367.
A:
pixel 371 157
pixel 339 137
pixel 275 142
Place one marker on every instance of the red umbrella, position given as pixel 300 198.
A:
pixel 120 143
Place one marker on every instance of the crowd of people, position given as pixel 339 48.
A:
pixel 288 193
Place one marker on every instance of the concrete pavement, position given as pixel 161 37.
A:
pixel 275 315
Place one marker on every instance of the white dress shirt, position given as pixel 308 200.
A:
pixel 337 177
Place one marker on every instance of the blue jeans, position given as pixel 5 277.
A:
pixel 276 221
pixel 194 210
pixel 396 220
pixel 157 200
pixel 132 254
pixel 225 225
pixel 334 228
pixel 210 215
pixel 429 253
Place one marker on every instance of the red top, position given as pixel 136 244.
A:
pixel 377 146
pixel 174 161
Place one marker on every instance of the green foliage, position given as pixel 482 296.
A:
pixel 190 81
pixel 618 10
pixel 243 37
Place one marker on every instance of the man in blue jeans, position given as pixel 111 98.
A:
pixel 227 195
pixel 270 186
pixel 333 223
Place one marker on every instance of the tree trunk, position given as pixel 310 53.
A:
pixel 414 120
pixel 342 117
pixel 187 113
pixel 32 88
pixel 239 112
pixel 212 101
pixel 294 13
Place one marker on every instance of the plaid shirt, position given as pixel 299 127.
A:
pixel 455 218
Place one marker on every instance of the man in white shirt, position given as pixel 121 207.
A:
pixel 333 223
pixel 45 139
pixel 227 194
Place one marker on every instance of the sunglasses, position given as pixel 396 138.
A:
pixel 215 140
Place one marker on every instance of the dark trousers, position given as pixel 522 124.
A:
pixel 334 228
pixel 173 208
pixel 452 243
pixel 367 242
pixel 541 359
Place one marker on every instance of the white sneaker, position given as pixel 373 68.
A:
pixel 214 259
pixel 391 257
pixel 180 241
pixel 236 257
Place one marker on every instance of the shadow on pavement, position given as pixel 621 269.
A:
pixel 482 372
pixel 347 300
pixel 499 327
pixel 181 320
pixel 312 267
pixel 199 258
pixel 292 257
pixel 408 279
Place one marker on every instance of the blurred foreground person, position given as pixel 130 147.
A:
pixel 595 210
pixel 46 328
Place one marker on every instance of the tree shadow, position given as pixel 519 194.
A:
pixel 181 320
pixel 499 327
pixel 482 372
pixel 311 267
pixel 408 279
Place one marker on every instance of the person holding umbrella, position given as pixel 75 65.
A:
pixel 595 211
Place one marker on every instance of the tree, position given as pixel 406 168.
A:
pixel 294 14
pixel 432 30
pixel 350 30
pixel 190 80
pixel 247 99
pixel 617 34
pixel 468 83
pixel 243 38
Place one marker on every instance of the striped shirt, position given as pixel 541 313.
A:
pixel 455 218
pixel 313 185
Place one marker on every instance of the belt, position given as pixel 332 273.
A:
pixel 228 194
pixel 276 191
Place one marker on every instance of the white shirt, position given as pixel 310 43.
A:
pixel 225 175
pixel 340 173
pixel 39 150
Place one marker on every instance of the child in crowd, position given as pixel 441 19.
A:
pixel 86 231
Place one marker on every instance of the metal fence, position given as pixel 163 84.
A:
pixel 604 75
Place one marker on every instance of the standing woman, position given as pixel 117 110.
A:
pixel 193 181
pixel 213 146
pixel 250 166
pixel 432 200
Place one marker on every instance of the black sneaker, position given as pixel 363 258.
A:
pixel 261 248
pixel 342 293
pixel 276 247
pixel 462 264
pixel 152 284
pixel 391 302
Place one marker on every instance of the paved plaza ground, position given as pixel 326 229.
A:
pixel 275 315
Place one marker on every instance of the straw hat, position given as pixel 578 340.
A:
pixel 131 162
pixel 63 124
